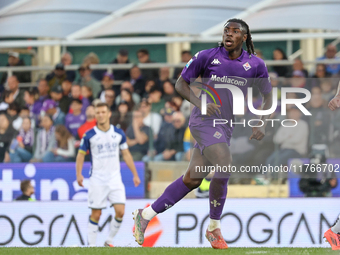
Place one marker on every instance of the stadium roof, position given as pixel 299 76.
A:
pixel 294 14
pixel 76 20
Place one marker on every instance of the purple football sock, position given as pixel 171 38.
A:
pixel 217 195
pixel 172 194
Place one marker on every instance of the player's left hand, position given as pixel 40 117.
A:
pixel 334 103
pixel 258 133
pixel 136 181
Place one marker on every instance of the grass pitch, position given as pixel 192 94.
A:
pixel 163 250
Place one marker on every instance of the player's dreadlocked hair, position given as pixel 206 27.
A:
pixel 245 27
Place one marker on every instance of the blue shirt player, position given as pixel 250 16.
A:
pixel 104 142
pixel 227 64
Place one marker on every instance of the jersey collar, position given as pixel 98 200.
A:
pixel 226 53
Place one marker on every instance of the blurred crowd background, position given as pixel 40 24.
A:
pixel 44 122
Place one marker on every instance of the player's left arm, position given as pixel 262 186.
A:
pixel 131 165
pixel 265 88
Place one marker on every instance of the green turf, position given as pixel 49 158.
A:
pixel 165 250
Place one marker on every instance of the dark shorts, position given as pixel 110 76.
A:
pixel 206 135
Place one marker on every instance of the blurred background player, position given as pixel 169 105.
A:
pixel 27 191
pixel 104 141
pixel 212 146
pixel 332 235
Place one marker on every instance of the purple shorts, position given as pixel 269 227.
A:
pixel 206 135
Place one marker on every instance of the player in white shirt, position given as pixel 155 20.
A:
pixel 104 142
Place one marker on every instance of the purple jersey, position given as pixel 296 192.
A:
pixel 73 122
pixel 215 67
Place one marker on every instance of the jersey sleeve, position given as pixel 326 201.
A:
pixel 262 79
pixel 122 145
pixel 84 144
pixel 195 66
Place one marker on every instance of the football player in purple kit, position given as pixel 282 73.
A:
pixel 212 147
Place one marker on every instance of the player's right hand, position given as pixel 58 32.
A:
pixel 334 103
pixel 212 108
pixel 80 180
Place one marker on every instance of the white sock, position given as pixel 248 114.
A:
pixel 114 227
pixel 148 213
pixel 336 227
pixel 213 224
pixel 92 230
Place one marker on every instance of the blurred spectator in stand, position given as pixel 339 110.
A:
pixel 110 99
pixel 27 191
pixel 107 83
pixel 331 51
pixel 292 140
pixel 13 86
pixel 63 102
pixel 163 137
pixel 66 60
pixel 185 58
pixel 320 74
pixel 156 100
pixel 137 136
pixel 24 150
pixel 87 80
pixel 259 54
pixel 122 58
pixel 75 119
pixel 177 101
pixel 122 118
pixel 64 150
pixel 298 80
pixel 319 126
pixel 137 80
pixel 13 112
pixel 327 90
pixel 31 96
pixel 126 96
pixel 66 86
pixel 45 141
pixel 7 133
pixel 7 98
pixel 148 85
pixel 14 60
pixel 169 91
pixel 43 90
pixel 50 107
pixel 278 54
pixel 93 59
pixel 144 58
pixel 76 94
pixel 127 85
pixel 24 113
pixel 164 75
pixel 298 66
pixel 151 119
pixel 90 121
pixel 86 92
pixel 57 76
pixel 174 149
pixel 188 143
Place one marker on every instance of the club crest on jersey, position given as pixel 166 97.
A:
pixel 217 135
pixel 246 66
pixel 215 62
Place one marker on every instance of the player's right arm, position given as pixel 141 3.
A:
pixel 193 69
pixel 84 146
pixel 79 167
pixel 335 102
